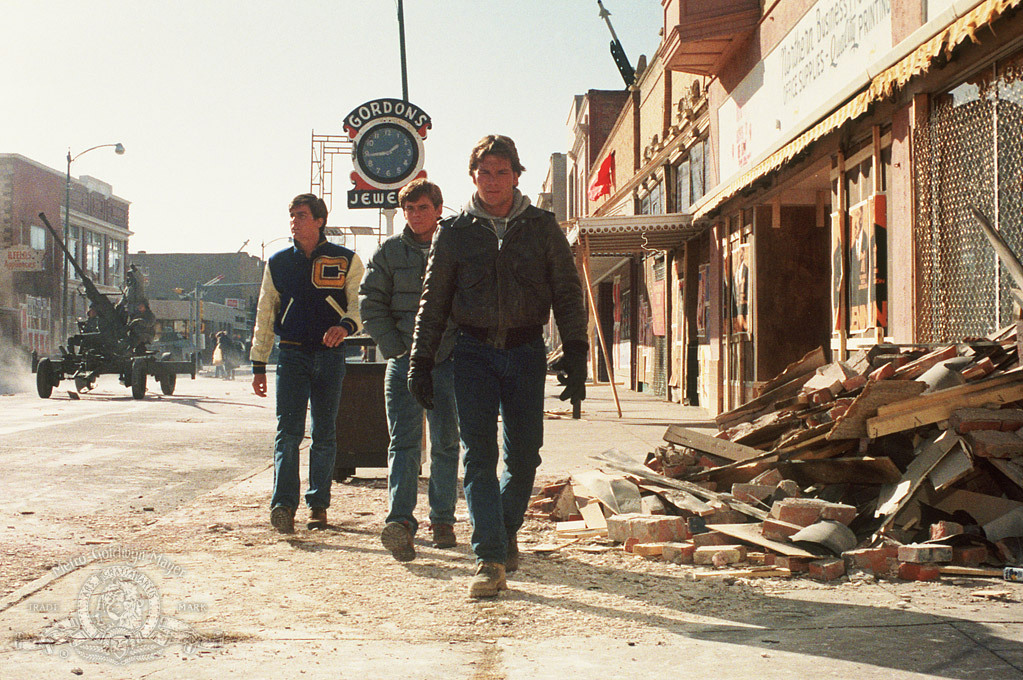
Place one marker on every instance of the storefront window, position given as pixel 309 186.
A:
pixel 683 187
pixel 115 262
pixel 969 155
pixel 73 248
pixel 690 177
pixel 37 238
pixel 653 203
pixel 696 156
pixel 93 255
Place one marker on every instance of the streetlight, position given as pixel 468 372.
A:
pixel 119 150
pixel 264 244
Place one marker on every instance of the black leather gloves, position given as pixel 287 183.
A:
pixel 420 381
pixel 571 370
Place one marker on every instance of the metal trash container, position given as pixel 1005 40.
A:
pixel 362 435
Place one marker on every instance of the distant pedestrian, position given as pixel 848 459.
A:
pixel 309 297
pixel 227 356
pixel 388 301
pixel 497 269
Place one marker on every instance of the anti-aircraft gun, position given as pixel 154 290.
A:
pixel 112 339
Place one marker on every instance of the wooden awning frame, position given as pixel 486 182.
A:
pixel 625 235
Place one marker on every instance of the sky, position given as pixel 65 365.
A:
pixel 215 101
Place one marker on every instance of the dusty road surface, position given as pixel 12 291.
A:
pixel 94 470
pixel 230 598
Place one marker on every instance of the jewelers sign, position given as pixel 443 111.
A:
pixel 22 259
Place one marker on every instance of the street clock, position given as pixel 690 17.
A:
pixel 387 137
pixel 388 154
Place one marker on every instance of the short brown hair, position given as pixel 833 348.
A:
pixel 316 206
pixel 418 188
pixel 495 145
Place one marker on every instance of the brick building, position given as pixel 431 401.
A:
pixel 798 174
pixel 31 275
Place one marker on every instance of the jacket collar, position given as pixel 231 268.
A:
pixel 409 237
pixel 464 218
pixel 319 246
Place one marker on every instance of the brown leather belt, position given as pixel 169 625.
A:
pixel 504 338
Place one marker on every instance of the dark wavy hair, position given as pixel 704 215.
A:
pixel 495 145
pixel 316 206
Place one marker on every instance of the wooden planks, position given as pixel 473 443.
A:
pixel 939 405
pixel 853 423
pixel 692 439
pixel 842 471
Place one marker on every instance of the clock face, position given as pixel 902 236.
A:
pixel 387 153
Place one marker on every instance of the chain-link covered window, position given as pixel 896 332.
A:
pixel 970 153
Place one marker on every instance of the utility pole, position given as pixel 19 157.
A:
pixel 401 43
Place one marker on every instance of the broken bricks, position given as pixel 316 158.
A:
pixel 899 445
pixel 647 528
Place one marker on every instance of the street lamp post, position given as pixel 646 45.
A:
pixel 118 149
pixel 264 244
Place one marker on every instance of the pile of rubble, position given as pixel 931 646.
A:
pixel 903 461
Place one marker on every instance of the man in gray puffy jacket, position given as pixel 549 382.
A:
pixel 388 301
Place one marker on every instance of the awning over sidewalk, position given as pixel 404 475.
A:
pixel 623 235
pixel 883 85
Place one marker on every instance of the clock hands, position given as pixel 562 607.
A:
pixel 382 153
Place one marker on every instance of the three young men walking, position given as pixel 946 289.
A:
pixel 461 325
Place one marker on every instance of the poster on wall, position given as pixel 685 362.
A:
pixel 862 310
pixel 657 308
pixel 837 271
pixel 702 301
pixel 740 294
pixel 644 322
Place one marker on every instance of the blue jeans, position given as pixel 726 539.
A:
pixel 307 379
pixel 404 455
pixel 510 381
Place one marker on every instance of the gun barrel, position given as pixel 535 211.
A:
pixel 104 306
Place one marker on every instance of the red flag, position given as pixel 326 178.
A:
pixel 603 184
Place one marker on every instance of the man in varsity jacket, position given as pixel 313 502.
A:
pixel 310 298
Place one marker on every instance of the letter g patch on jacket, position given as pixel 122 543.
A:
pixel 330 272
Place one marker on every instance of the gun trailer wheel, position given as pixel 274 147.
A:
pixel 45 378
pixel 138 378
pixel 167 382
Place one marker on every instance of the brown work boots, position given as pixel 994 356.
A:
pixel 488 581
pixel 317 518
pixel 512 562
pixel 443 536
pixel 283 519
pixel 397 537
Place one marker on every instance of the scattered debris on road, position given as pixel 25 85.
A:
pixel 902 462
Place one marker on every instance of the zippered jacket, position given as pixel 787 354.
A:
pixel 389 296
pixel 482 281
pixel 301 297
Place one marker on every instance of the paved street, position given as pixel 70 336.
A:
pixel 89 471
pixel 171 491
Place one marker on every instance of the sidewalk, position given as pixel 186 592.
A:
pixel 210 591
pixel 568 444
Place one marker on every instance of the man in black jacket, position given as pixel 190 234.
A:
pixel 497 270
